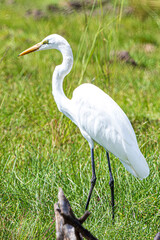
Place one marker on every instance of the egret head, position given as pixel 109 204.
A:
pixel 53 41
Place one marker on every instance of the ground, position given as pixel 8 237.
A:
pixel 41 149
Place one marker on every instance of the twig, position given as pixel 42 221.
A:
pixel 5 53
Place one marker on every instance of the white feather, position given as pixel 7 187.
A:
pixel 98 116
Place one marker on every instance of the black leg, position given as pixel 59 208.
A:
pixel 93 180
pixel 111 184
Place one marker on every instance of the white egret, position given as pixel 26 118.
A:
pixel 98 116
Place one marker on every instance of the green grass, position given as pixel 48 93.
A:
pixel 41 149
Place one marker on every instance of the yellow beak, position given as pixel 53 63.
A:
pixel 31 49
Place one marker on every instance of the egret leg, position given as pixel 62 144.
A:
pixel 93 180
pixel 111 184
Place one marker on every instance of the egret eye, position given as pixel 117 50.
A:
pixel 45 42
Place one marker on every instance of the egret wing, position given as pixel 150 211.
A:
pixel 103 120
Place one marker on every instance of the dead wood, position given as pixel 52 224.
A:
pixel 157 237
pixel 68 227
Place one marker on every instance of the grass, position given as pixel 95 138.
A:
pixel 41 149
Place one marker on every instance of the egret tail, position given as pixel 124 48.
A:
pixel 137 164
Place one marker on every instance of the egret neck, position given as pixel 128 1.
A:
pixel 63 103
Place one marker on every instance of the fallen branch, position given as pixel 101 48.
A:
pixel 68 227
